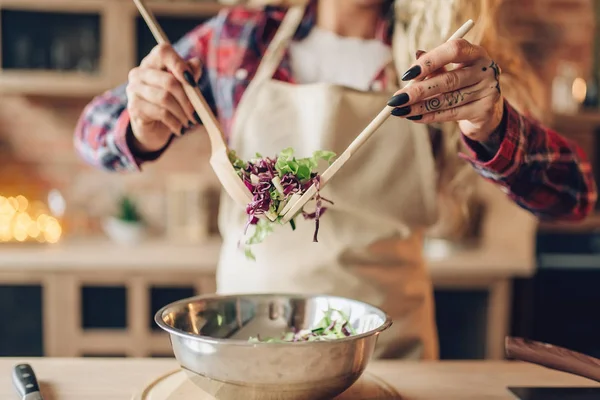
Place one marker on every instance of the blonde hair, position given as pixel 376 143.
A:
pixel 425 24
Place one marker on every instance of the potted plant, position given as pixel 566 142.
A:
pixel 127 226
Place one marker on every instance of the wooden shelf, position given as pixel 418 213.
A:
pixel 590 118
pixel 592 223
pixel 47 83
pixel 74 6
pixel 182 8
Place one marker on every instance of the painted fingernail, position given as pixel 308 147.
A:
pixel 182 130
pixel 412 73
pixel 398 100
pixel 415 118
pixel 420 53
pixel 190 124
pixel 401 112
pixel 197 117
pixel 189 78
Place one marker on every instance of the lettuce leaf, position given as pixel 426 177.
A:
pixel 302 168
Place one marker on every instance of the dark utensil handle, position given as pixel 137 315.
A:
pixel 24 380
pixel 553 357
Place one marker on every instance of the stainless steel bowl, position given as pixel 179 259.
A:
pixel 210 338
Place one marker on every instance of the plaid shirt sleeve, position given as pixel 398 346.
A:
pixel 539 169
pixel 103 132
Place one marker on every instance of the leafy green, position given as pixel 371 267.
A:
pixel 302 168
pixel 280 179
pixel 235 161
pixel 262 229
pixel 329 328
pixel 128 211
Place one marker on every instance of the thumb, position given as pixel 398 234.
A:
pixel 196 67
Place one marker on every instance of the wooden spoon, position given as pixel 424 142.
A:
pixel 219 159
pixel 553 357
pixel 292 208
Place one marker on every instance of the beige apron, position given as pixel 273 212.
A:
pixel 370 241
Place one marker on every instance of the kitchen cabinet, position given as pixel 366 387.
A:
pixel 21 310
pixel 99 299
pixel 76 48
pixel 66 314
pixel 560 302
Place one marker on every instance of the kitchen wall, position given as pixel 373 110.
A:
pixel 38 131
pixel 39 134
pixel 550 31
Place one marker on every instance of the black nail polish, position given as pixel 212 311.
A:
pixel 401 112
pixel 398 100
pixel 415 118
pixel 412 73
pixel 197 117
pixel 182 130
pixel 188 77
pixel 190 124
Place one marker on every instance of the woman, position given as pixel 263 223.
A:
pixel 330 68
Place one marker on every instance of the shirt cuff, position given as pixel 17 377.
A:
pixel 124 140
pixel 121 141
pixel 503 153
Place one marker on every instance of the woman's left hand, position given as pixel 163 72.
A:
pixel 469 94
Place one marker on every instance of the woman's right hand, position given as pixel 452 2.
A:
pixel 157 104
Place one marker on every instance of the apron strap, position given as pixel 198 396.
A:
pixel 276 50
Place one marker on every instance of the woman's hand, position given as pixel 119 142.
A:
pixel 157 104
pixel 469 94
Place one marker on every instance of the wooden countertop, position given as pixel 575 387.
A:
pixel 106 379
pixel 156 255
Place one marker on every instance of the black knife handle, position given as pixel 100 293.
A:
pixel 24 379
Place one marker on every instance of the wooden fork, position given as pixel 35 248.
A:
pixel 292 208
pixel 219 159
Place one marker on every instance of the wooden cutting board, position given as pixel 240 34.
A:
pixel 177 386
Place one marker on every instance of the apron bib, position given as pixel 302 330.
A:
pixel 370 240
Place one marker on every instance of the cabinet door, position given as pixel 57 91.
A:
pixel 461 317
pixel 560 306
pixel 61 47
pixel 21 331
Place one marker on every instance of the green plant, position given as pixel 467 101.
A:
pixel 128 211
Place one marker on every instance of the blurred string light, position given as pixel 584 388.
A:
pixel 22 220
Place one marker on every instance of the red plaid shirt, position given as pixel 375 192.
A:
pixel 539 169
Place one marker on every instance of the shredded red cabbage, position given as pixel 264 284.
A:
pixel 273 182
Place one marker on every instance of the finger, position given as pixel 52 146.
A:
pixel 452 52
pixel 150 112
pixel 468 111
pixel 443 101
pixel 161 98
pixel 166 81
pixel 444 82
pixel 164 56
pixel 196 67
pixel 419 54
pixel 436 73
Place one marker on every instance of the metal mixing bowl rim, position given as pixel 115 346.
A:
pixel 238 342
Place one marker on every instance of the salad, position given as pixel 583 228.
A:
pixel 275 183
pixel 328 328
